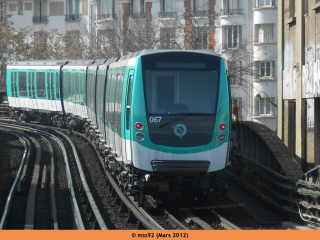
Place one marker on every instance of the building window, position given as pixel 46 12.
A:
pixel 265 106
pixel 235 72
pixel 264 32
pixel 137 6
pixel 232 36
pixel 200 37
pixel 73 10
pixel 265 69
pixel 167 38
pixel 168 8
pixel 106 9
pixel 305 7
pixel 2 12
pixel 200 7
pixel 231 7
pixel 20 8
pixel 264 3
pixel 292 8
pixel 40 11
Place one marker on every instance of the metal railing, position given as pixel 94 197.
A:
pixel 232 11
pixel 135 15
pixel 37 19
pixel 72 17
pixel 226 46
pixel 200 13
pixel 167 14
pixel 105 16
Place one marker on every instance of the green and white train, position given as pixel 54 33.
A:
pixel 162 118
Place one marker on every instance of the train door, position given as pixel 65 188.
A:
pixel 32 85
pixel 41 90
pixel 23 90
pixel 127 117
pixel 51 96
pixel 14 101
pixel 57 90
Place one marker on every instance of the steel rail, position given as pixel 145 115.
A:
pixel 73 200
pixel 14 185
pixel 227 224
pixel 53 206
pixel 29 219
pixel 147 221
pixel 92 202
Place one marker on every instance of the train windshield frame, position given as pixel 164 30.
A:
pixel 181 83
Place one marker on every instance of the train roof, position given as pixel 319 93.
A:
pixel 81 62
pixel 155 51
pixel 39 63
pixel 107 63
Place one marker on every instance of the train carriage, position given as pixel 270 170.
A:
pixel 100 91
pixel 91 93
pixel 75 90
pixel 33 89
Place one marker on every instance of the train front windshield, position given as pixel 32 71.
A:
pixel 181 91
pixel 177 85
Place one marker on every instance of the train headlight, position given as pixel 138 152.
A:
pixel 222 127
pixel 139 126
pixel 140 136
pixel 221 137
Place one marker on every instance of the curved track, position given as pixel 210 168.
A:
pixel 114 210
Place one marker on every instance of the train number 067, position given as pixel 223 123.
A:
pixel 155 119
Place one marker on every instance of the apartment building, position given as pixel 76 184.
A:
pixel 298 81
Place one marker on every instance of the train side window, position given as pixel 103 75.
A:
pixel 83 100
pixel 57 86
pixel 107 96
pixel 69 86
pixel 13 81
pixel 129 103
pixel 89 90
pixel 30 85
pixel 22 84
pixel 33 85
pixel 65 85
pixel 41 85
pixel 77 89
pixel 52 85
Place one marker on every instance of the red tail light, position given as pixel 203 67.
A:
pixel 139 126
pixel 222 127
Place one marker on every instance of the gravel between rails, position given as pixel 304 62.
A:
pixel 11 151
pixel 96 180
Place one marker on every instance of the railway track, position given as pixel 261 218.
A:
pixel 92 184
pixel 33 199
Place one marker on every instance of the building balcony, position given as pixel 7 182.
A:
pixel 40 19
pixel 167 14
pixel 105 16
pixel 72 17
pixel 134 15
pixel 232 11
pixel 230 46
pixel 200 13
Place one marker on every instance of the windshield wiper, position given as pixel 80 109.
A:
pixel 183 116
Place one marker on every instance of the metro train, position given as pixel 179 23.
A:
pixel 161 118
